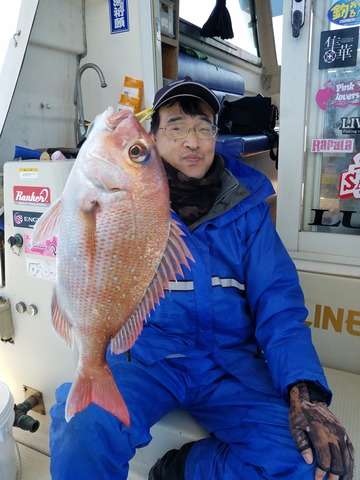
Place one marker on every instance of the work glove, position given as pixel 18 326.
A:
pixel 314 426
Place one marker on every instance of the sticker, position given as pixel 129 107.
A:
pixel 344 218
pixel 332 145
pixel 340 94
pixel 350 125
pixel 119 16
pixel 338 48
pixel 25 219
pixel 47 248
pixel 32 195
pixel 43 269
pixel 349 185
pixel 25 173
pixel 344 13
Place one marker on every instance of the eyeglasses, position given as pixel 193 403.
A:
pixel 181 131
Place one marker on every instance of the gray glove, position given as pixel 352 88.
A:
pixel 314 426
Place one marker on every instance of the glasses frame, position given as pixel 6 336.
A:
pixel 215 130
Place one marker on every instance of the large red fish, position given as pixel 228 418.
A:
pixel 117 250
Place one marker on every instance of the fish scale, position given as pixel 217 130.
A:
pixel 118 249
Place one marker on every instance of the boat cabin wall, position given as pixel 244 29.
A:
pixel 65 36
pixel 42 111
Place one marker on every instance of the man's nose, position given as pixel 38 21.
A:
pixel 191 139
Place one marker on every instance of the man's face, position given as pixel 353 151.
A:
pixel 191 155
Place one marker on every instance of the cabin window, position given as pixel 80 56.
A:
pixel 9 13
pixel 331 183
pixel 242 19
pixel 277 21
pixel 320 138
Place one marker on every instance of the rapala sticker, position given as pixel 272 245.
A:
pixel 32 195
pixel 349 185
pixel 332 145
pixel 25 219
pixel 338 48
pixel 339 94
pixel 345 13
pixel 350 125
pixel 46 249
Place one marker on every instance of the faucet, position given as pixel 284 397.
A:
pixel 81 128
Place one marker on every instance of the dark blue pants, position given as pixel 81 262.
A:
pixel 249 429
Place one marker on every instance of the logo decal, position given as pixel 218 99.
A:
pixel 32 195
pixel 25 219
pixel 340 94
pixel 349 185
pixel 332 145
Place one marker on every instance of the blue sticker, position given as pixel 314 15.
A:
pixel 119 16
pixel 345 13
pixel 25 219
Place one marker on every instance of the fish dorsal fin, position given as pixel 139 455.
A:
pixel 48 224
pixel 61 325
pixel 176 254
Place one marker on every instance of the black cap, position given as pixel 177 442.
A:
pixel 186 87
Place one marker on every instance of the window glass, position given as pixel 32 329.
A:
pixel 331 177
pixel 9 12
pixel 16 19
pixel 277 21
pixel 241 19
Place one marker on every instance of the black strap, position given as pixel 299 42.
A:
pixel 273 137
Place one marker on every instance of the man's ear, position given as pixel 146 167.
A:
pixel 153 136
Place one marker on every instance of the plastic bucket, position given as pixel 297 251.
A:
pixel 7 443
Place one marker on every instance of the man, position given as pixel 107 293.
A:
pixel 228 343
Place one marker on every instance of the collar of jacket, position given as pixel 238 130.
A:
pixel 232 192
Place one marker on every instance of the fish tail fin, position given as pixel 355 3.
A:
pixel 103 391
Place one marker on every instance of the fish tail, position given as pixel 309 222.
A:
pixel 102 391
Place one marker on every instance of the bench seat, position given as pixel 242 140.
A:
pixel 238 147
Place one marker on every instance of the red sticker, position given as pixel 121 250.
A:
pixel 32 195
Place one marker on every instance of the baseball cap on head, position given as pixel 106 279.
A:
pixel 186 87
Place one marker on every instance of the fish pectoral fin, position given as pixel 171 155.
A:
pixel 48 224
pixel 175 255
pixel 60 323
pixel 101 390
pixel 176 252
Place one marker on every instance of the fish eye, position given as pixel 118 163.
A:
pixel 138 153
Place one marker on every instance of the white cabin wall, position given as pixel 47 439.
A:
pixel 42 111
pixel 118 55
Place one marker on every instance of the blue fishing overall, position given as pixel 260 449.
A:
pixel 203 349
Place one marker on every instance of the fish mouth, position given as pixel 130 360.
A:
pixel 113 120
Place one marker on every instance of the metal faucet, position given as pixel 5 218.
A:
pixel 81 128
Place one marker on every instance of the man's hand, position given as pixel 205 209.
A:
pixel 316 431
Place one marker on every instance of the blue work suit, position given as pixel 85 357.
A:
pixel 224 344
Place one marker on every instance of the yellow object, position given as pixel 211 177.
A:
pixel 133 87
pixel 131 95
pixel 144 114
pixel 131 103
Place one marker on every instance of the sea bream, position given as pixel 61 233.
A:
pixel 118 248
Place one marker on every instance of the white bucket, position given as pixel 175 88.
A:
pixel 7 443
